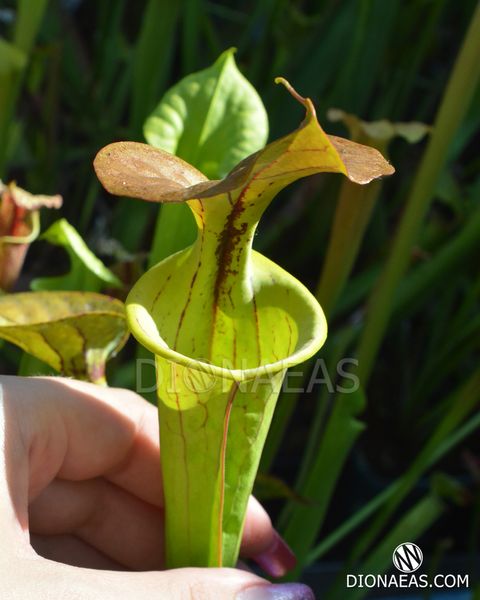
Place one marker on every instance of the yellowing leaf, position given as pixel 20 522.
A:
pixel 379 133
pixel 73 332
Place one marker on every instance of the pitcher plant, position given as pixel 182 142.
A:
pixel 224 323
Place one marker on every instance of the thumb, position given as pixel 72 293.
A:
pixel 175 584
pixel 211 584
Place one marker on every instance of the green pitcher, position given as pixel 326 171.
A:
pixel 224 324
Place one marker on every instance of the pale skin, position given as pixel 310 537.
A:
pixel 80 484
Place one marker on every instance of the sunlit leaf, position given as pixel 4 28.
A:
pixel 87 272
pixel 73 332
pixel 212 119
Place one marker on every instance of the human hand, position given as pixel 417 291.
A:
pixel 81 504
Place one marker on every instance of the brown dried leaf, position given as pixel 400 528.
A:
pixel 141 171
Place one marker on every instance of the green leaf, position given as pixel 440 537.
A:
pixel 153 56
pixel 224 323
pixel 342 430
pixel 73 332
pixel 453 108
pixel 436 451
pixel 11 58
pixel 213 119
pixel 269 487
pixel 87 272
pixel 29 19
pixel 13 61
pixel 460 403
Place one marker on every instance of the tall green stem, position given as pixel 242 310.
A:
pixel 355 206
pixel 29 18
pixel 357 519
pixel 460 404
pixel 455 103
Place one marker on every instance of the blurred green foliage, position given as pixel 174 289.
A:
pixel 77 75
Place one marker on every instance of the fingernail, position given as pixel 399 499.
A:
pixel 284 591
pixel 278 559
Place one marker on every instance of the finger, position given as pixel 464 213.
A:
pixel 70 550
pixel 14 528
pixel 122 527
pixel 259 539
pixel 79 431
pixel 258 532
pixel 130 531
pixel 177 584
pixel 263 544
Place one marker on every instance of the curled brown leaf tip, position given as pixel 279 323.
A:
pixel 363 163
pixel 142 171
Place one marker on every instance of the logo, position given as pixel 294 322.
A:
pixel 407 557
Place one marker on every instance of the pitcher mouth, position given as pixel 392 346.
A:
pixel 146 332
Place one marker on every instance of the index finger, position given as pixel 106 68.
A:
pixel 76 431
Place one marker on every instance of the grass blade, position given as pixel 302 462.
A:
pixel 373 505
pixel 418 520
pixel 455 103
pixel 342 430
